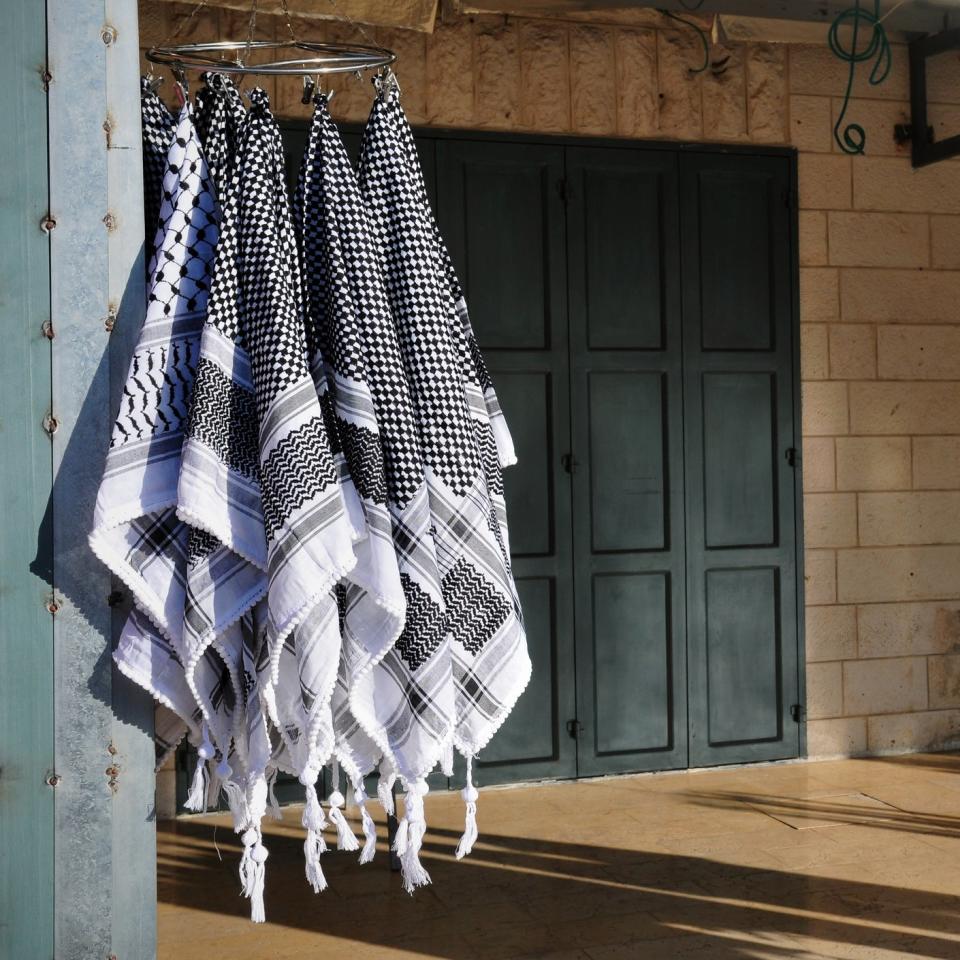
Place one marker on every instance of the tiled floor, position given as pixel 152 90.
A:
pixel 846 859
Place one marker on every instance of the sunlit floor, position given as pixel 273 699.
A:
pixel 845 859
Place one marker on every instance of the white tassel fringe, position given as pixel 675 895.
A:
pixel 470 795
pixel 253 871
pixel 369 827
pixel 314 845
pixel 410 833
pixel 197 797
pixel 388 777
pixel 345 836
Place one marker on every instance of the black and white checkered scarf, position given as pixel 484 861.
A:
pixel 490 663
pixel 259 486
pixel 400 692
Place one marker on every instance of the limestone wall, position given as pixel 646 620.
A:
pixel 880 310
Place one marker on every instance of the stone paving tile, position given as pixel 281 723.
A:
pixel 706 865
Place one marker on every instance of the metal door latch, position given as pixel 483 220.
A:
pixel 574 728
pixel 569 463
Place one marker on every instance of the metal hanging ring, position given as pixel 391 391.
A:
pixel 323 58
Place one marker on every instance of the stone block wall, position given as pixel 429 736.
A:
pixel 880 307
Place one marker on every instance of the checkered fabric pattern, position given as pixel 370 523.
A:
pixel 258 481
pixel 490 662
pixel 136 531
pixel 484 405
pixel 219 492
pixel 399 697
pixel 157 126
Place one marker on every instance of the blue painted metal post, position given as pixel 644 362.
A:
pixel 26 626
pixel 105 841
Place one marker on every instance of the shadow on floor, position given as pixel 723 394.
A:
pixel 517 897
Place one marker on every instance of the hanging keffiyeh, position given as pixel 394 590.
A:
pixel 258 480
pixel 401 696
pixel 303 490
pixel 136 531
pixel 491 666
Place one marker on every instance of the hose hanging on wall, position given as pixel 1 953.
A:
pixel 853 137
pixel 701 35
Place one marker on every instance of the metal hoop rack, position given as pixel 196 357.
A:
pixel 320 59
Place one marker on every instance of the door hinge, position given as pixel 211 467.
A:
pixel 574 728
pixel 563 190
pixel 569 463
pixel 798 713
pixel 793 456
pixel 789 198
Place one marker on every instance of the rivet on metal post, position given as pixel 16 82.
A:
pixel 110 320
pixel 53 780
pixel 113 776
pixel 110 222
pixel 51 424
pixel 108 35
pixel 47 223
pixel 46 328
pixel 45 79
pixel 53 605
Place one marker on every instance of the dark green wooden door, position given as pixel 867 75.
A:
pixel 653 507
pixel 627 415
pixel 502 214
pixel 740 434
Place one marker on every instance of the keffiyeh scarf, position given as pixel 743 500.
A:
pixel 303 490
pixel 399 694
pixel 490 663
pixel 259 486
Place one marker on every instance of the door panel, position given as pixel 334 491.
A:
pixel 531 493
pixel 626 401
pixel 743 655
pixel 623 297
pixel 741 523
pixel 632 656
pixel 497 193
pixel 740 496
pixel 737 237
pixel 502 215
pixel 627 469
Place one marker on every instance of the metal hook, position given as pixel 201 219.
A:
pixel 386 83
pixel 180 76
pixel 309 86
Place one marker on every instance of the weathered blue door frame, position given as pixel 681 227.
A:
pixel 78 872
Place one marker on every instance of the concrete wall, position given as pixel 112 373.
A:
pixel 880 308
